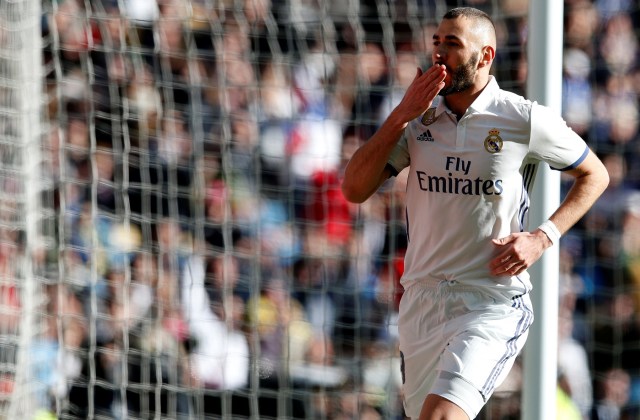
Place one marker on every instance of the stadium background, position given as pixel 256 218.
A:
pixel 195 257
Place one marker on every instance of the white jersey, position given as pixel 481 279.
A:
pixel 470 180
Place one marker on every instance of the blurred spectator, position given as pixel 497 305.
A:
pixel 319 368
pixel 573 365
pixel 145 108
pixel 173 246
pixel 566 407
pixel 354 404
pixel 328 209
pixel 220 357
pixel 313 286
pixel 617 46
pixel 602 273
pixel 77 365
pixel 283 332
pixel 314 142
pixel 220 231
pixel 244 142
pixel 132 294
pixel 612 395
pixel 631 242
pixel 582 21
pixel 615 336
pixel 175 144
pixel 576 92
pixel 611 208
pixel 10 301
pixel 610 8
pixel 404 71
pixel 372 75
pixel 617 108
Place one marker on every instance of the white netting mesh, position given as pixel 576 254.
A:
pixel 20 210
pixel 191 254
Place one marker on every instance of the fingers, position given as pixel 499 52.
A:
pixel 507 265
pixel 440 72
pixel 435 75
pixel 512 271
pixel 433 79
pixel 500 264
pixel 436 69
pixel 507 262
pixel 504 262
pixel 422 91
pixel 515 253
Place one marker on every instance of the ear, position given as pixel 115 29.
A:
pixel 487 54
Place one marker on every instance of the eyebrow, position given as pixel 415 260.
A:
pixel 447 37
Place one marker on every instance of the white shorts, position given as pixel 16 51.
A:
pixel 459 341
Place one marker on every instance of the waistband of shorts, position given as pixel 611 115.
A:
pixel 486 284
pixel 435 283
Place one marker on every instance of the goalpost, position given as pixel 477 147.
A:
pixel 21 212
pixel 544 83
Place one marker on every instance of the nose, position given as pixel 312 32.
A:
pixel 437 58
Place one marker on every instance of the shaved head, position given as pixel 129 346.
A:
pixel 481 24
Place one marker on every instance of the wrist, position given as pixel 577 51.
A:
pixel 551 231
pixel 397 120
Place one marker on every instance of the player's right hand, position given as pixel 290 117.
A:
pixel 423 90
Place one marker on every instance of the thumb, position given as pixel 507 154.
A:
pixel 418 72
pixel 502 241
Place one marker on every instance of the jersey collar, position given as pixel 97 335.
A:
pixel 486 97
pixel 481 103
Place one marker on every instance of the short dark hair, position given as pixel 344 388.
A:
pixel 471 13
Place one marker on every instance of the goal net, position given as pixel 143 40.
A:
pixel 21 215
pixel 174 241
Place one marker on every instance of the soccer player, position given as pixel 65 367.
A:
pixel 472 150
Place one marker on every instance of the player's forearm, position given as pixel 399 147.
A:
pixel 587 188
pixel 365 172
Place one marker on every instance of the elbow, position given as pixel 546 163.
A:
pixel 602 179
pixel 605 181
pixel 351 193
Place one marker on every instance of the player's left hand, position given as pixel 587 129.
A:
pixel 517 252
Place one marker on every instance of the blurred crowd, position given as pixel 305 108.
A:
pixel 199 259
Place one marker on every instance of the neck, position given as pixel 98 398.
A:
pixel 459 102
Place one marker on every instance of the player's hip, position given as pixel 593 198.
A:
pixel 436 310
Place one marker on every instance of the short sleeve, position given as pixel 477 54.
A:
pixel 399 158
pixel 553 141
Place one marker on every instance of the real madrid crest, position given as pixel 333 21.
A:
pixel 429 117
pixel 493 142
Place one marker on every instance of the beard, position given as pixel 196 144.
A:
pixel 461 77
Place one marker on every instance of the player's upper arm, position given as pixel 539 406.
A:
pixel 553 142
pixel 590 166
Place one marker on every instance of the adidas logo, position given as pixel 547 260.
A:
pixel 426 136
